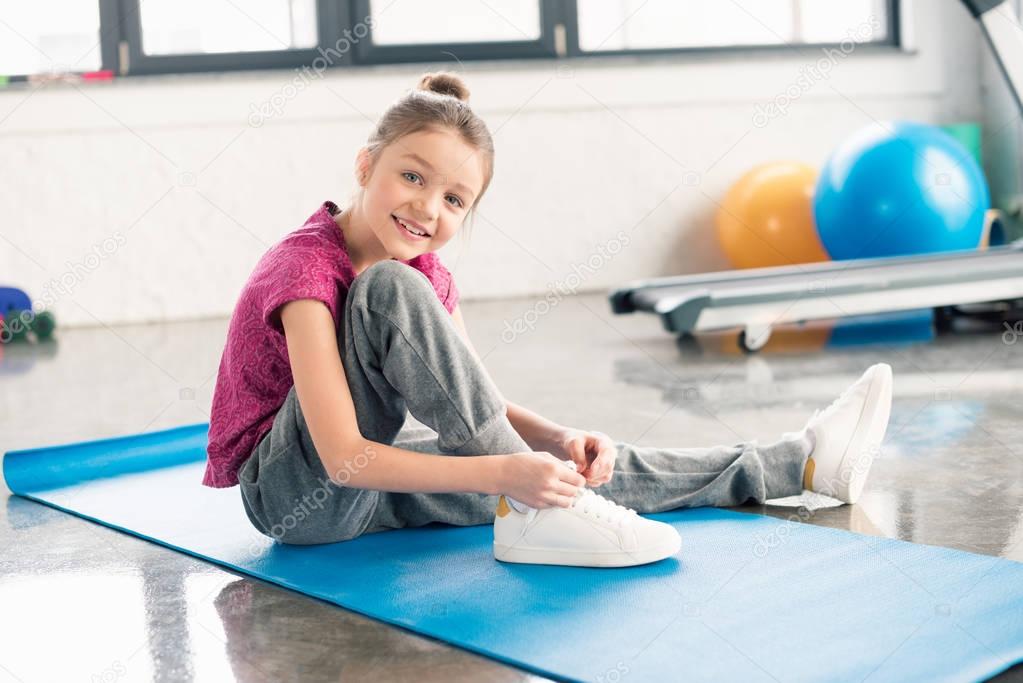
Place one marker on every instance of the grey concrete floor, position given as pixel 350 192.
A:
pixel 83 602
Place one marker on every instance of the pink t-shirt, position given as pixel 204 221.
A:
pixel 255 375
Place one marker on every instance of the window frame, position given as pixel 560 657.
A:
pixel 331 17
pixel 543 47
pixel 891 40
pixel 121 44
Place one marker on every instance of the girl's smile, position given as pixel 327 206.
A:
pixel 426 182
pixel 406 228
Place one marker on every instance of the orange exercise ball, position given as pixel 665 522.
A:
pixel 766 218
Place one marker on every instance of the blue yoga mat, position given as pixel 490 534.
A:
pixel 748 598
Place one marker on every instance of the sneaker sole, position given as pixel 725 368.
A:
pixel 870 429
pixel 585 558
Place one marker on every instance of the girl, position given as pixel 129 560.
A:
pixel 351 322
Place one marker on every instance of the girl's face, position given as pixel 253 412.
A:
pixel 428 180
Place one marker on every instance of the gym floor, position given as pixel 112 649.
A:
pixel 85 602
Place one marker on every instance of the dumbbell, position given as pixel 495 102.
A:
pixel 15 325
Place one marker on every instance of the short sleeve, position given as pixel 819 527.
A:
pixel 451 299
pixel 440 278
pixel 293 275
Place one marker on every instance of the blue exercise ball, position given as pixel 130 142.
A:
pixel 900 188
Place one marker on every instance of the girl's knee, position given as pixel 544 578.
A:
pixel 390 280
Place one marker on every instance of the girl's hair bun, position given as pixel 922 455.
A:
pixel 444 83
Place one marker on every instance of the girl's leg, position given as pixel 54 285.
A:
pixel 401 353
pixel 647 479
pixel 403 349
pixel 650 479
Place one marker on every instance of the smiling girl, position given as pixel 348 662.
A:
pixel 351 322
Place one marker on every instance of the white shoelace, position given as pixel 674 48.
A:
pixel 590 503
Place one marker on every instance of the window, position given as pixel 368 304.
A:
pixel 173 36
pixel 132 37
pixel 409 22
pixel 172 27
pixel 614 26
pixel 820 21
pixel 453 30
pixel 37 38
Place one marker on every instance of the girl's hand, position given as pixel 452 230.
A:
pixel 538 479
pixel 593 453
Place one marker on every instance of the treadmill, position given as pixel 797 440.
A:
pixel 757 299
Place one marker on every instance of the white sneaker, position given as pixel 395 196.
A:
pixel 593 532
pixel 849 434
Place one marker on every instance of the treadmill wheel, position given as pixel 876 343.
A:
pixel 752 339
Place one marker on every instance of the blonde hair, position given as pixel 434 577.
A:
pixel 440 100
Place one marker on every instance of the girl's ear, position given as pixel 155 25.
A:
pixel 362 166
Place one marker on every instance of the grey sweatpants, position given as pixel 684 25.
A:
pixel 402 354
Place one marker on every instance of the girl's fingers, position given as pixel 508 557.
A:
pixel 573 478
pixel 552 499
pixel 566 490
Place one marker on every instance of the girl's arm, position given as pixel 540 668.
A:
pixel 536 430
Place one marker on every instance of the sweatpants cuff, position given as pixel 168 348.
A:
pixel 784 464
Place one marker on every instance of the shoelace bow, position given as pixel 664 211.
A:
pixel 602 508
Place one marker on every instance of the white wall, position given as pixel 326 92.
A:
pixel 188 195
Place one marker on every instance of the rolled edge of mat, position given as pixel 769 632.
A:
pixel 41 469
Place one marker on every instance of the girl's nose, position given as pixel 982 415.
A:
pixel 426 209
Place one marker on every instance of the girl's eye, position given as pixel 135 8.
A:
pixel 407 174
